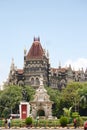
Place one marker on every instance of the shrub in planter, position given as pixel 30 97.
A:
pixel 28 121
pixel 63 121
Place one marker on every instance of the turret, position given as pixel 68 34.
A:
pixel 25 51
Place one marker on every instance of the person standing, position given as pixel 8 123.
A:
pixel 9 123
pixel 75 123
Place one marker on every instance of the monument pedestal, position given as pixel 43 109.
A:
pixel 24 108
pixel 41 105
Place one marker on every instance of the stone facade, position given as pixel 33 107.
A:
pixel 36 63
pixel 41 105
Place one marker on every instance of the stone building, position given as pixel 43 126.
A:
pixel 36 63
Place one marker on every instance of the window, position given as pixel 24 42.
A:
pixel 32 81
pixel 37 81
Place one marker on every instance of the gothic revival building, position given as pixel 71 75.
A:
pixel 36 63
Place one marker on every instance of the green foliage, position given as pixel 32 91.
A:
pixel 30 91
pixel 69 97
pixel 84 118
pixel 42 123
pixel 83 96
pixel 75 115
pixel 64 121
pixel 28 121
pixel 69 94
pixel 10 99
pixel 80 121
pixel 74 95
pixel 46 123
pixel 17 123
pixel 55 97
pixel 67 111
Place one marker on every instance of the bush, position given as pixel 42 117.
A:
pixel 80 121
pixel 75 115
pixel 28 121
pixel 84 118
pixel 63 121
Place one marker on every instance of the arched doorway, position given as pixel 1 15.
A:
pixel 40 113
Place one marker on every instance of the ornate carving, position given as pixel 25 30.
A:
pixel 41 101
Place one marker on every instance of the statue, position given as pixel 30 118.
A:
pixel 41 80
pixel 24 97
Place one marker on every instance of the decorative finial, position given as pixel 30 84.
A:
pixel 25 51
pixel 47 54
pixel 12 60
pixel 36 39
pixel 59 65
pixel 12 64
pixel 69 66
pixel 39 39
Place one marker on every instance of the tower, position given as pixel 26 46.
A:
pixel 36 63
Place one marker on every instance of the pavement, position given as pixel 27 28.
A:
pixel 42 128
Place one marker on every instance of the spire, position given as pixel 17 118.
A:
pixel 70 66
pixel 82 69
pixel 37 39
pixel 47 54
pixel 59 65
pixel 25 51
pixel 12 64
pixel 13 67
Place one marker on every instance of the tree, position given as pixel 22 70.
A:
pixel 55 97
pixel 70 96
pixel 83 100
pixel 10 99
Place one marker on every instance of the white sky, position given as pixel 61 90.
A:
pixel 60 24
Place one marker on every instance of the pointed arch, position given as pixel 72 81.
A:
pixel 32 81
pixel 37 81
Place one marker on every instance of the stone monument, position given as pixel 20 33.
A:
pixel 41 105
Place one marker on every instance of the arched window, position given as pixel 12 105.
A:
pixel 37 81
pixel 32 81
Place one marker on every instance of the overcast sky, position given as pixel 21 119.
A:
pixel 60 24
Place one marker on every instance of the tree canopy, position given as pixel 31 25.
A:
pixel 11 97
pixel 74 95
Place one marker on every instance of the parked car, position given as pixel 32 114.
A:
pixel 85 125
